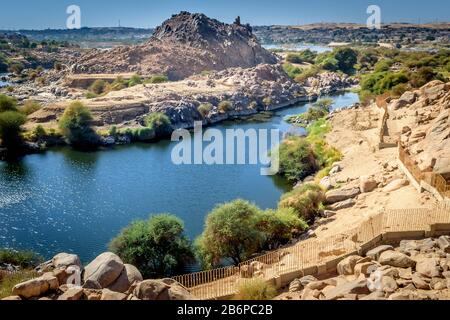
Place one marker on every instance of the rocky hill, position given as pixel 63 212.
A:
pixel 184 45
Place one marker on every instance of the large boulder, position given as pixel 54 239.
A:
pixel 444 243
pixel 396 259
pixel 341 195
pixel 357 287
pixel 367 184
pixel 65 260
pixel 130 275
pixel 165 289
pixel 342 205
pixel 374 254
pixel 36 287
pixel 429 267
pixel 72 294
pixel 104 270
pixel 109 295
pixel 347 266
pixel 396 185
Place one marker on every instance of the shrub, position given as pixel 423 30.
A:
pixel 267 101
pixel 204 109
pixel 157 79
pixel 99 87
pixel 225 106
pixel 346 58
pixel 30 107
pixel 143 134
pixel 256 290
pixel 76 125
pixel 318 110
pixel 301 57
pixel 113 131
pixel 159 123
pixel 230 233
pixel 16 68
pixel 58 66
pixel 119 84
pixel 383 65
pixel 22 259
pixel 296 159
pixel 11 123
pixel 135 80
pixel 304 200
pixel 157 247
pixel 279 226
pixel 39 132
pixel 291 70
pixel 90 95
pixel 7 103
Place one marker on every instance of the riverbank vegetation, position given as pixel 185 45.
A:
pixel 76 126
pixel 101 87
pixel 157 247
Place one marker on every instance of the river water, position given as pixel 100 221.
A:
pixel 69 201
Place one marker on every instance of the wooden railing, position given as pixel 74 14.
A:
pixel 310 254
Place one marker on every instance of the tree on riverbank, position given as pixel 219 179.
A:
pixel 238 229
pixel 157 247
pixel 76 126
pixel 11 122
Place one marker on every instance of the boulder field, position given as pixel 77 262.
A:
pixel 105 278
pixel 412 270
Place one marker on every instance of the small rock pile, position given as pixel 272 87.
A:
pixel 415 270
pixel 105 278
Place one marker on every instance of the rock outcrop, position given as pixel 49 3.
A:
pixel 248 91
pixel 424 130
pixel 105 278
pixel 182 46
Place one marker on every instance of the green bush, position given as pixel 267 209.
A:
pixel 159 123
pixel 230 233
pixel 204 109
pixel 16 67
pixel 296 159
pixel 11 123
pixel 157 247
pixel 256 289
pixel 76 126
pixel 304 200
pixel 291 70
pixel 143 134
pixel 279 226
pixel 7 103
pixel 135 80
pixel 301 57
pixel 22 259
pixel 30 107
pixel 39 132
pixel 99 87
pixel 383 65
pixel 119 84
pixel 157 79
pixel 90 95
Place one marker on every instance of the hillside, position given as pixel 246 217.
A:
pixel 184 45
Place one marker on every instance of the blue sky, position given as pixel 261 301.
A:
pixel 32 14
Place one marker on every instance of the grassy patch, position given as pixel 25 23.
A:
pixel 8 281
pixel 256 290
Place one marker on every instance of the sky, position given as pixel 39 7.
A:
pixel 42 14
